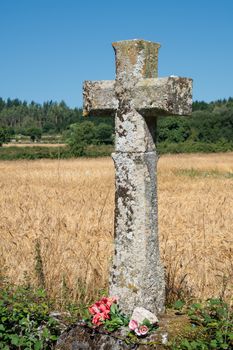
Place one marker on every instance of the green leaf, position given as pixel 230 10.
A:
pixel 213 324
pixel 197 306
pixel 15 340
pixel 146 322
pixel 53 337
pixel 41 293
pixel 2 328
pixel 38 345
pixel 213 344
pixel 185 344
pixel 178 305
pixel 46 333
pixel 113 309
pixel 126 321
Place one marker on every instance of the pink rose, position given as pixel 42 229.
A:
pixel 133 325
pixel 141 330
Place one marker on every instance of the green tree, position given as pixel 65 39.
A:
pixel 173 129
pixel 4 136
pixel 34 133
pixel 103 133
pixel 80 136
pixel 2 104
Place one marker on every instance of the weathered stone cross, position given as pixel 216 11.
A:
pixel 137 97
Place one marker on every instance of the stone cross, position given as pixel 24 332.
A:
pixel 137 97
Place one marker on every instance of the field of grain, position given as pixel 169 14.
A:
pixel 63 212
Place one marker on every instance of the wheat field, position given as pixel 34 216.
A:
pixel 65 208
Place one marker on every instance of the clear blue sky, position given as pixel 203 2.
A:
pixel 48 47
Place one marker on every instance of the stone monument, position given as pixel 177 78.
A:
pixel 136 98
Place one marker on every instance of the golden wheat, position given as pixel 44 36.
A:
pixel 68 207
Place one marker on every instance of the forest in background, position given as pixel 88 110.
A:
pixel 209 128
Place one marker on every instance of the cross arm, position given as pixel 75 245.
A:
pixel 99 98
pixel 155 96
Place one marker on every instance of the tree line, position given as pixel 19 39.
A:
pixel 50 117
pixel 210 123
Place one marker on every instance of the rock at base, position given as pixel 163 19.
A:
pixel 140 314
pixel 83 338
pixel 171 326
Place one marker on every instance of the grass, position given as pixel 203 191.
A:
pixel 32 152
pixel 203 173
pixel 56 227
pixel 49 151
pixel 13 151
pixel 30 144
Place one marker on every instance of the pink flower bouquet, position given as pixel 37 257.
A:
pixel 101 310
pixel 106 313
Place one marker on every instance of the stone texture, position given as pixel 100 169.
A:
pixel 137 275
pixel 99 98
pixel 81 338
pixel 137 97
pixel 170 326
pixel 140 314
pixel 136 58
pixel 161 96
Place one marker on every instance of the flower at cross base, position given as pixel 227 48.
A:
pixel 103 307
pixel 101 310
pixel 141 330
pixel 94 309
pixel 97 320
pixel 133 325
